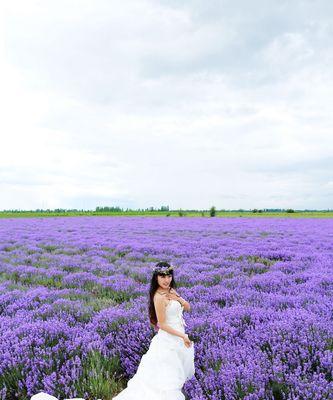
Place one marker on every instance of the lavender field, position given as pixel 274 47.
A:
pixel 73 304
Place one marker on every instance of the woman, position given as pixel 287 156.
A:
pixel 169 361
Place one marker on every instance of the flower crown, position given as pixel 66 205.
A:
pixel 163 270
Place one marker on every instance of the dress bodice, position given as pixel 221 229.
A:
pixel 174 313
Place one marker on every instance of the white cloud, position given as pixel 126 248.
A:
pixel 147 103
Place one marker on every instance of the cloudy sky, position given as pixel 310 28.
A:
pixel 181 103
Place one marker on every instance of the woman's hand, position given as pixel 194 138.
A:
pixel 172 296
pixel 187 341
pixel 172 290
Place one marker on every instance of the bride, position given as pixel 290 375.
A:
pixel 169 361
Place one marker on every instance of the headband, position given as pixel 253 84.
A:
pixel 163 270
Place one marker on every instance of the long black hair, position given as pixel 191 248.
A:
pixel 152 290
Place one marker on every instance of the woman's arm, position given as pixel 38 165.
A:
pixel 160 313
pixel 185 304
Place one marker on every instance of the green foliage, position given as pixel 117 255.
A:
pixel 280 390
pixel 108 209
pixel 11 378
pixel 101 377
pixel 243 390
pixel 212 211
pixel 329 344
pixel 221 303
pixel 49 248
pixel 158 212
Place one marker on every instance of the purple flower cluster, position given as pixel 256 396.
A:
pixel 74 293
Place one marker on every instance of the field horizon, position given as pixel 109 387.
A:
pixel 171 213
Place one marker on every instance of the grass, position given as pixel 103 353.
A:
pixel 223 214
pixel 101 377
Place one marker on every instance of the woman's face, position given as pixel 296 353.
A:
pixel 164 281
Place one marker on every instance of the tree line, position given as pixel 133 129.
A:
pixel 117 209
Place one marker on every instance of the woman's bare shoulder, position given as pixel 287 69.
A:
pixel 159 298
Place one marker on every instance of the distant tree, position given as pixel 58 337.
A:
pixel 108 209
pixel 212 211
pixel 290 210
pixel 181 213
pixel 254 210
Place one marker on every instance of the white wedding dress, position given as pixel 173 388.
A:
pixel 163 369
pixel 166 365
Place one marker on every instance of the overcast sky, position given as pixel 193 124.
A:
pixel 182 103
